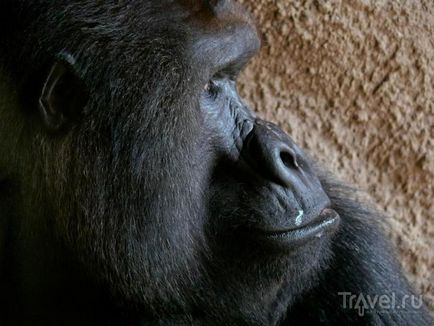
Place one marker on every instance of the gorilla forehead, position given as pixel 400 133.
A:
pixel 134 41
pixel 150 36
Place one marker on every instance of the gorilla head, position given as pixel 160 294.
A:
pixel 130 164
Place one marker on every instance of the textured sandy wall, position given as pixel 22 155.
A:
pixel 353 82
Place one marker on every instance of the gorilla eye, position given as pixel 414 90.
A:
pixel 211 90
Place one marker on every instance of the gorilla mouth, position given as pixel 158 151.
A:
pixel 327 222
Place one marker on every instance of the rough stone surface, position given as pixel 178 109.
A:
pixel 353 83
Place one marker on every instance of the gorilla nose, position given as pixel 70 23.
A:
pixel 274 154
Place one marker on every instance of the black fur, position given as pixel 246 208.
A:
pixel 129 214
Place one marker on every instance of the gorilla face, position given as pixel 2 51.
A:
pixel 278 198
pixel 152 171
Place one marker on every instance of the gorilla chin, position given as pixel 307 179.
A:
pixel 137 187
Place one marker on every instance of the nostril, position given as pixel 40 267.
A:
pixel 289 159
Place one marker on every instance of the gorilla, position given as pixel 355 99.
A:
pixel 137 188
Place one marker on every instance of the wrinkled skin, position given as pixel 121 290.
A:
pixel 137 187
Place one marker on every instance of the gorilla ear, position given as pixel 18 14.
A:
pixel 63 97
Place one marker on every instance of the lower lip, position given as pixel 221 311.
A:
pixel 326 223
